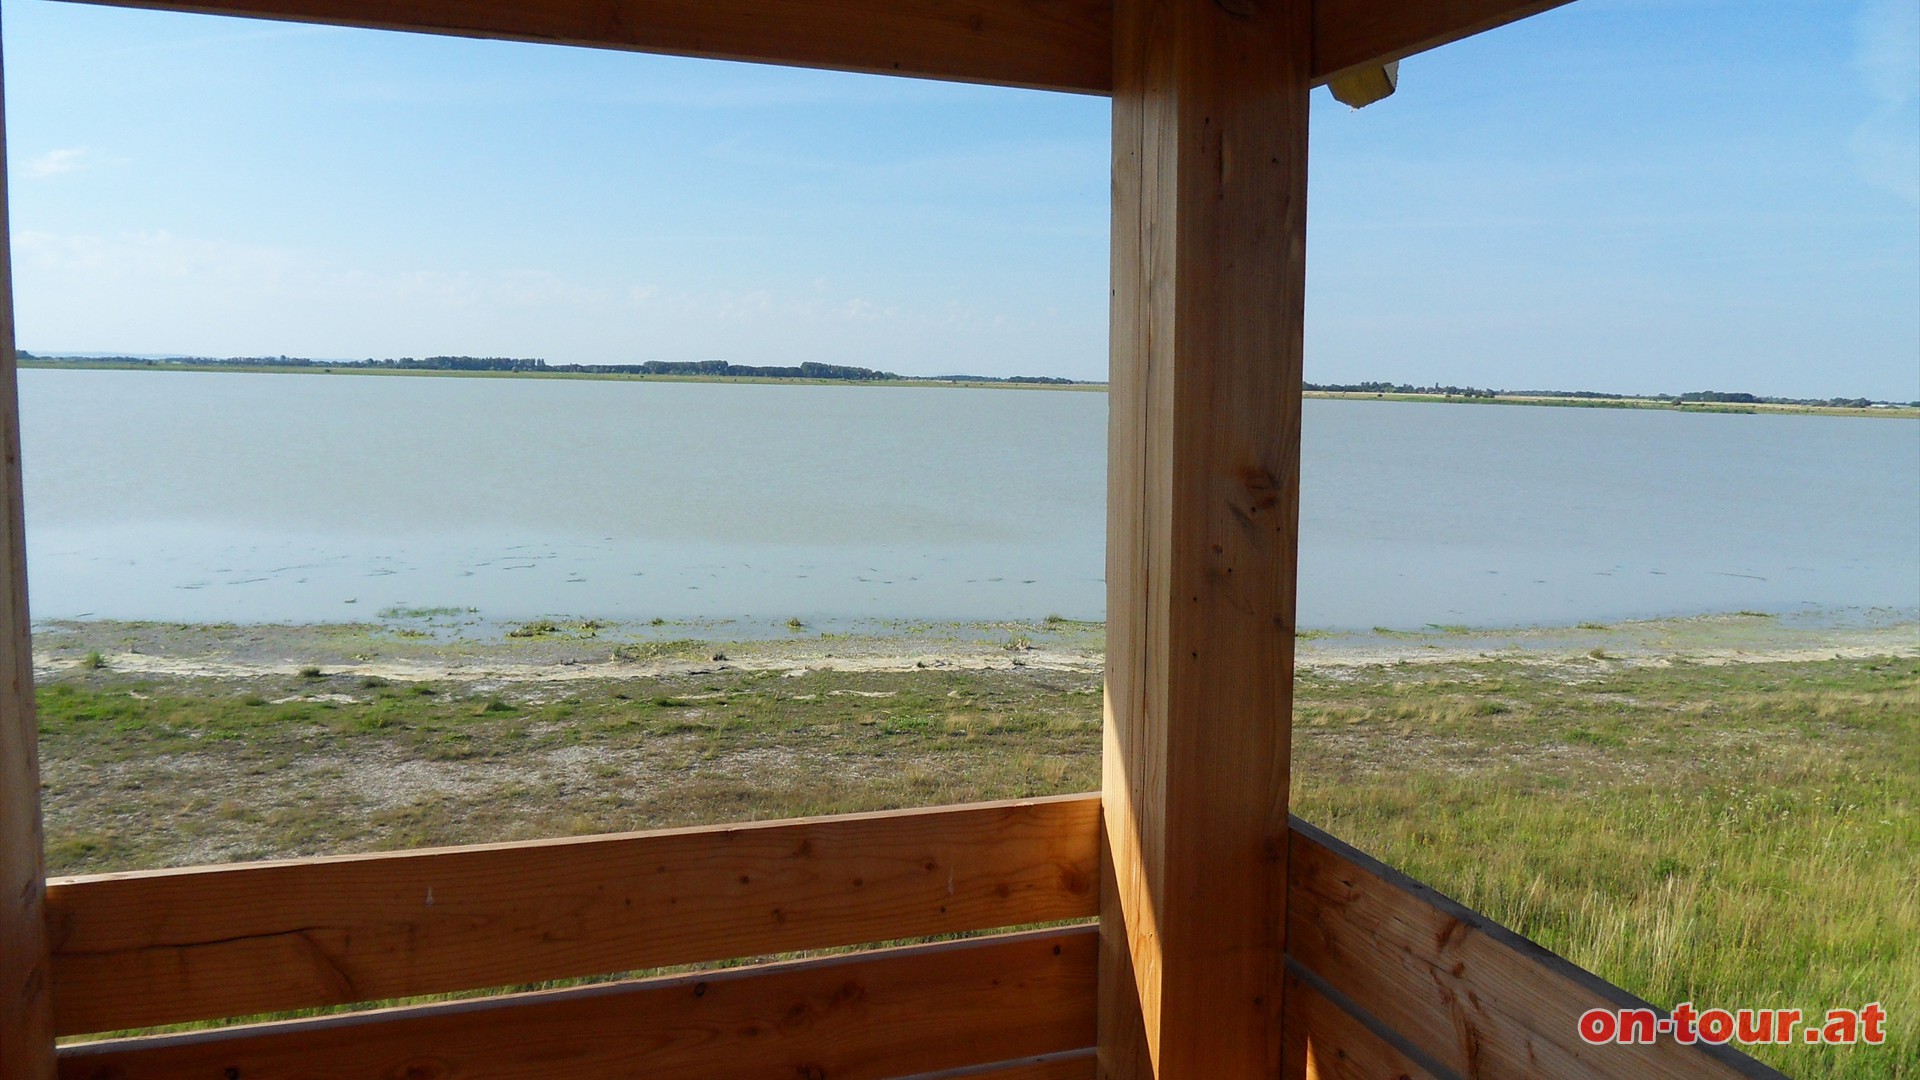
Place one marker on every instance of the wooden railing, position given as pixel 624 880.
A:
pixel 1389 978
pixel 1386 978
pixel 142 949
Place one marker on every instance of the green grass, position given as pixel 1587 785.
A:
pixel 645 651
pixel 404 612
pixel 1734 835
pixel 1737 836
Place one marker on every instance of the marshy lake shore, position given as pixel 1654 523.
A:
pixel 1720 810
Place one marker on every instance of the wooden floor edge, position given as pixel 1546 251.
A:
pixel 1519 943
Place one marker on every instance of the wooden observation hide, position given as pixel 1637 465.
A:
pixel 1192 931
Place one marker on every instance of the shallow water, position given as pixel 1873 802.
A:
pixel 254 498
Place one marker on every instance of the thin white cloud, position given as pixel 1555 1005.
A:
pixel 1886 146
pixel 56 162
pixel 158 291
pixel 149 258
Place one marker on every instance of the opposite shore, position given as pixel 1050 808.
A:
pixel 1582 400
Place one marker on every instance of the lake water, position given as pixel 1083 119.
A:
pixel 267 498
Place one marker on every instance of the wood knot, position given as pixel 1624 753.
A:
pixel 1259 479
pixel 1075 879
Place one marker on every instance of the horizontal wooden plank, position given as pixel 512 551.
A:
pixel 140 949
pixel 863 1016
pixel 1350 34
pixel 1475 997
pixel 1046 44
pixel 1326 1041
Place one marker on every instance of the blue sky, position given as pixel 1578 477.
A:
pixel 1630 195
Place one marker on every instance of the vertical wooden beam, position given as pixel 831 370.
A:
pixel 1209 230
pixel 26 1001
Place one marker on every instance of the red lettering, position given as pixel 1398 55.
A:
pixel 1683 1017
pixel 1716 1026
pixel 1756 1025
pixel 1598 1026
pixel 1873 1017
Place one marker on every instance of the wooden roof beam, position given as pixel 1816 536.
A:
pixel 1351 37
pixel 1043 44
pixel 1062 45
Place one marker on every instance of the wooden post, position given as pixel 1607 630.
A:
pixel 26 1003
pixel 1209 229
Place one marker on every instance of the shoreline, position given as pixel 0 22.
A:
pixel 1894 412
pixel 588 650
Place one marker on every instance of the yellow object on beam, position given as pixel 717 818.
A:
pixel 1365 86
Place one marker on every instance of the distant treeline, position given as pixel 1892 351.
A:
pixel 694 368
pixel 851 373
pixel 1750 399
pixel 1716 397
pixel 1042 380
pixel 710 368
pixel 1401 388
pixel 503 363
